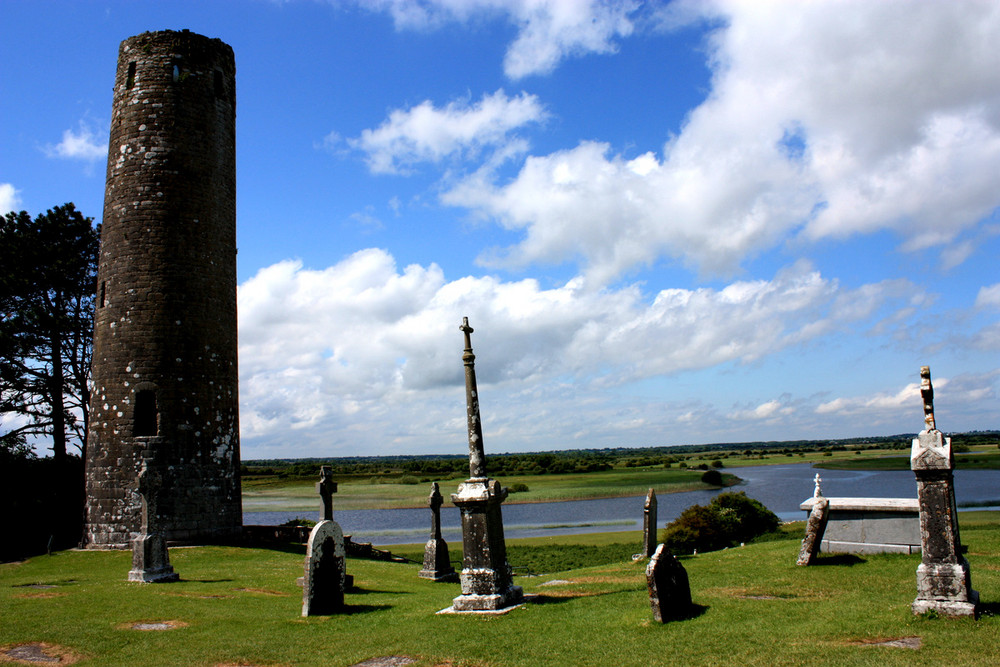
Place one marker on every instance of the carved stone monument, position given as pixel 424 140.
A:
pixel 487 580
pixel 150 559
pixel 943 581
pixel 815 527
pixel 669 589
pixel 649 525
pixel 325 578
pixel 437 563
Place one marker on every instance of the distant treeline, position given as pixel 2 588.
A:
pixel 588 460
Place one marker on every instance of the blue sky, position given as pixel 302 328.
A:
pixel 669 223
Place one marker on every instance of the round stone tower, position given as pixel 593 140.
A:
pixel 165 351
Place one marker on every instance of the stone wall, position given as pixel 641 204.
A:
pixel 165 348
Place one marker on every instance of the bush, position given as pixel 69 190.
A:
pixel 713 477
pixel 716 463
pixel 520 487
pixel 731 518
pixel 408 479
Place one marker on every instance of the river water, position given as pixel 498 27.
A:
pixel 780 487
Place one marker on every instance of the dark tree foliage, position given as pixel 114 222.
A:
pixel 731 518
pixel 48 272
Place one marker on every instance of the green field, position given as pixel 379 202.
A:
pixel 754 607
pixel 271 494
pixel 974 460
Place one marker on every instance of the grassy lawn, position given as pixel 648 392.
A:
pixel 974 460
pixel 241 607
pixel 299 495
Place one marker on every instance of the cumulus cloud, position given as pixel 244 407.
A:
pixel 9 198
pixel 548 31
pixel 815 127
pixel 364 351
pixel 989 296
pixel 84 143
pixel 954 399
pixel 427 133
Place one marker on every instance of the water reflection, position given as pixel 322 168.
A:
pixel 780 487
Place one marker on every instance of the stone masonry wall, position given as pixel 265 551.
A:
pixel 165 347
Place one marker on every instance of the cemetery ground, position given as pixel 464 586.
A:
pixel 754 606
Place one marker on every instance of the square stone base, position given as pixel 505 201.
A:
pixel 161 575
pixel 512 596
pixel 945 607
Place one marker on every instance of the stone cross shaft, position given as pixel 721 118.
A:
pixel 927 394
pixel 148 485
pixel 435 501
pixel 326 487
pixel 477 455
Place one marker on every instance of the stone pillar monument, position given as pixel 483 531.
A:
pixel 649 525
pixel 943 581
pixel 437 563
pixel 165 348
pixel 815 527
pixel 150 559
pixel 325 577
pixel 487 580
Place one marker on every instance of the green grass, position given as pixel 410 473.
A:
pixel 241 606
pixel 974 460
pixel 299 495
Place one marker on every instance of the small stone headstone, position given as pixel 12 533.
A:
pixel 669 590
pixel 150 558
pixel 325 577
pixel 437 562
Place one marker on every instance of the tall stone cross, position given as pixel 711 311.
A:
pixel 326 487
pixel 477 455
pixel 944 584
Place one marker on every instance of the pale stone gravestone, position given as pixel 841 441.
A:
pixel 487 579
pixel 437 563
pixel 150 559
pixel 669 589
pixel 815 527
pixel 944 584
pixel 649 525
pixel 325 577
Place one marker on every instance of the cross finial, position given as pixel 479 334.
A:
pixel 466 329
pixel 818 491
pixel 927 393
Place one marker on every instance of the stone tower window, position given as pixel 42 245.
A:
pixel 102 298
pixel 145 422
pixel 177 72
pixel 130 79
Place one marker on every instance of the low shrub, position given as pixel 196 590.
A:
pixel 520 487
pixel 713 477
pixel 731 518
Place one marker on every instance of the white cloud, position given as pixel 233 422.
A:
pixel 954 399
pixel 357 350
pixel 9 199
pixel 427 133
pixel 548 30
pixel 83 144
pixel 824 120
pixel 989 296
